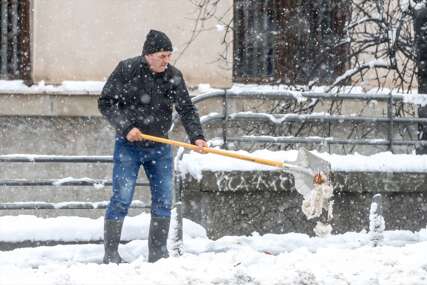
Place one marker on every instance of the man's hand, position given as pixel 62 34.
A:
pixel 134 135
pixel 200 145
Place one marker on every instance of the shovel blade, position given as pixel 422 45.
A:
pixel 313 162
pixel 312 165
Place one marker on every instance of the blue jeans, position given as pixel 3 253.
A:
pixel 158 165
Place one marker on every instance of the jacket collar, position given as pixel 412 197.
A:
pixel 145 69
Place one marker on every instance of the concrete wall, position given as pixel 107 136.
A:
pixel 237 203
pixel 84 40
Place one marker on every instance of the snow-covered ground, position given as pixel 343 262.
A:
pixel 270 259
pixel 291 258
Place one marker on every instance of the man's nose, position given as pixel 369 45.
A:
pixel 167 59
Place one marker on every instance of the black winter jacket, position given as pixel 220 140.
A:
pixel 134 96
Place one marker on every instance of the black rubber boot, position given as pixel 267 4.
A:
pixel 112 232
pixel 157 238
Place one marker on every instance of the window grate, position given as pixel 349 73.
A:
pixel 14 39
pixel 291 42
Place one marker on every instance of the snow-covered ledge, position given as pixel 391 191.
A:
pixel 230 197
pixel 66 88
pixel 71 98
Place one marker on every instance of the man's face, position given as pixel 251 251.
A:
pixel 158 61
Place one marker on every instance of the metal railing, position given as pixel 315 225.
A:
pixel 36 205
pixel 390 119
pixel 59 183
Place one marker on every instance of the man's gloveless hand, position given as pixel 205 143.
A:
pixel 200 143
pixel 134 135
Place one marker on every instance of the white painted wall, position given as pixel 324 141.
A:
pixel 85 39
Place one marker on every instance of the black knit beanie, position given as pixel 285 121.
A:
pixel 156 41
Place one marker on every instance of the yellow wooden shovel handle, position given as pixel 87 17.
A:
pixel 215 151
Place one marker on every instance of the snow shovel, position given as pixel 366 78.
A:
pixel 308 169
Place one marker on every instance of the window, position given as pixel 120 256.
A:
pixel 289 42
pixel 14 39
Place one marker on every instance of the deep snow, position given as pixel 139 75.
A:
pixel 269 259
pixel 291 258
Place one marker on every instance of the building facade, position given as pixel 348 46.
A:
pixel 84 40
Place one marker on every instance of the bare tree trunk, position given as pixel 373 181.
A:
pixel 420 28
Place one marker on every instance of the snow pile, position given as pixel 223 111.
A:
pixel 195 163
pixel 30 228
pixel 415 99
pixel 379 162
pixel 269 259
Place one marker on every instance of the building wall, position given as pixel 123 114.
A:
pixel 84 40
